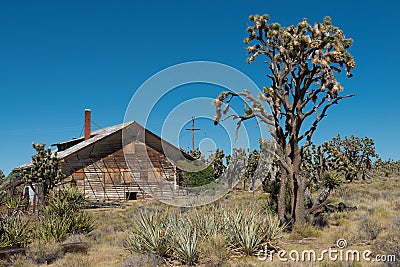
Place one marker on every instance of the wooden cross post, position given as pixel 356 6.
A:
pixel 193 129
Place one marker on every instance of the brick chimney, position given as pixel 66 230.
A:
pixel 87 124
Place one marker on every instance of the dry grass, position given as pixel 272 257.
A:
pixel 375 226
pixel 371 227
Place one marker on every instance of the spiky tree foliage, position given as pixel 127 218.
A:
pixel 195 153
pixel 387 167
pixel 2 181
pixel 45 169
pixel 251 167
pixel 325 165
pixel 303 62
pixel 359 151
pixel 218 163
pixel 328 157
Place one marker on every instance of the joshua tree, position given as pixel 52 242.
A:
pixel 302 63
pixel 325 166
pixel 328 157
pixel 218 164
pixel 359 151
pixel 45 169
pixel 2 177
pixel 387 167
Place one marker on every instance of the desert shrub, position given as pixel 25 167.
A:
pixel 320 221
pixel 143 260
pixel 389 243
pixel 19 260
pixel 149 234
pixel 214 250
pixel 369 227
pixel 339 218
pixel 274 228
pixel 82 223
pixel 54 227
pixel 305 230
pixel 44 252
pixel 15 231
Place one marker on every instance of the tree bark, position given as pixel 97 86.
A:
pixel 300 210
pixel 282 196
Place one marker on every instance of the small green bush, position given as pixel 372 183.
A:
pixel 54 227
pixel 199 178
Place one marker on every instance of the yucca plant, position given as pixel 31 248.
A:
pixel 54 227
pixel 275 228
pixel 14 203
pixel 207 222
pixel 248 230
pixel 245 231
pixel 185 239
pixel 65 201
pixel 63 216
pixel 150 233
pixel 82 223
pixel 15 231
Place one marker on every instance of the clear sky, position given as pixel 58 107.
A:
pixel 59 57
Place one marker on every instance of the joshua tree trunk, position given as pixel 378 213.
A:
pixel 282 196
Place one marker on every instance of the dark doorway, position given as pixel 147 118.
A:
pixel 130 196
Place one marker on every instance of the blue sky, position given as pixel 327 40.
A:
pixel 59 57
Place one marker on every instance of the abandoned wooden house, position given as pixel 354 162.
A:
pixel 96 163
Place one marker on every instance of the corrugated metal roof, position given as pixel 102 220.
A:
pixel 102 133
pixel 97 135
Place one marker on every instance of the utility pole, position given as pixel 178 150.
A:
pixel 193 129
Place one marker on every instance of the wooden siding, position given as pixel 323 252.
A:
pixel 108 178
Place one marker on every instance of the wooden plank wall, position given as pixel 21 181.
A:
pixel 109 178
